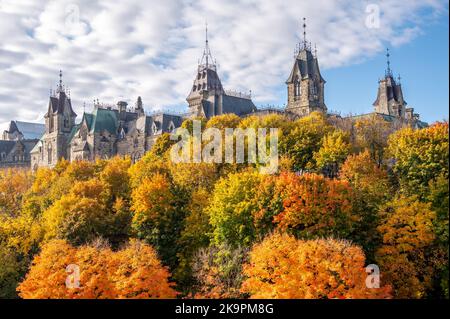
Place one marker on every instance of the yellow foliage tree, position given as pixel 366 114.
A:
pixel 407 232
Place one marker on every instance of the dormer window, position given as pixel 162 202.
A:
pixel 154 128
pixel 171 127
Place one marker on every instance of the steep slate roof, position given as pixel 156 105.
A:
pixel 56 104
pixel 31 131
pixel 6 146
pixel 393 92
pixel 306 65
pixel 237 105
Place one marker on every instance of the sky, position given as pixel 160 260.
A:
pixel 119 50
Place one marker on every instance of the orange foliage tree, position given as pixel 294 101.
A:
pixel 284 267
pixel 313 205
pixel 133 272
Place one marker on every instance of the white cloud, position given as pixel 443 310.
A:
pixel 114 50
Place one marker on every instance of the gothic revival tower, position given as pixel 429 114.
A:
pixel 305 84
pixel 390 96
pixel 59 121
pixel 204 98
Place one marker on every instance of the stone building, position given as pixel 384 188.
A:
pixel 208 98
pixel 17 141
pixel 128 131
pixel 390 104
pixel 305 85
pixel 120 130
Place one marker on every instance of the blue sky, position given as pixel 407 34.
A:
pixel 424 68
pixel 113 50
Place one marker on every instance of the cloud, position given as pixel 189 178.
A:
pixel 114 50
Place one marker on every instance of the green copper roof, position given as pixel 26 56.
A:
pixel 104 120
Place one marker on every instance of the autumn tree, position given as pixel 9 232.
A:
pixel 420 156
pixel 311 205
pixel 304 139
pixel 407 234
pixel 194 236
pixel 284 267
pixel 138 273
pixel 332 153
pixel 87 212
pixel 162 144
pixel 218 271
pixel 14 183
pixel 158 215
pixel 223 121
pixel 439 198
pixel 371 189
pixel 371 133
pixel 9 272
pixel 232 208
pixel 133 272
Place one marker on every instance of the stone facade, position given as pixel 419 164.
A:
pixel 120 130
pixel 305 85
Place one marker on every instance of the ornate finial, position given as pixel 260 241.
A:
pixel 399 78
pixel 304 32
pixel 60 85
pixel 388 71
pixel 84 107
pixel 315 50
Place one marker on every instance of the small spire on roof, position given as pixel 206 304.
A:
pixel 304 32
pixel 60 85
pixel 388 55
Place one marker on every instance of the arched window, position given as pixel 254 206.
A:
pixel 50 124
pixel 194 88
pixel 297 87
pixel 49 154
pixel 154 128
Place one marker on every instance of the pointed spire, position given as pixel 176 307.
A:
pixel 388 70
pixel 207 58
pixel 206 41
